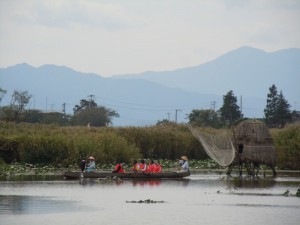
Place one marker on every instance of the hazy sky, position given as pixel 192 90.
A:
pixel 133 36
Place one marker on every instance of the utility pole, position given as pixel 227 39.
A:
pixel 241 106
pixel 213 104
pixel 46 104
pixel 176 110
pixel 169 116
pixel 91 99
pixel 64 108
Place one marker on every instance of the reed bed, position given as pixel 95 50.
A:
pixel 56 145
pixel 51 144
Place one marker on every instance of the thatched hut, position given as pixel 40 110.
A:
pixel 255 144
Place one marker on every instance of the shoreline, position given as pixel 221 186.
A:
pixel 59 172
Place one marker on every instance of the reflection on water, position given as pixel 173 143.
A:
pixel 19 204
pixel 253 183
pixel 203 198
pixel 135 182
pixel 30 177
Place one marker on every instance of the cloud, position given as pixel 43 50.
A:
pixel 67 14
pixel 116 36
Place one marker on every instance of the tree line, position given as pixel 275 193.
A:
pixel 277 112
pixel 87 112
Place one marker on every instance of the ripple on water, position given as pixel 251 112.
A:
pixel 20 204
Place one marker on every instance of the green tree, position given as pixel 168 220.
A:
pixel 164 122
pixel 205 117
pixel 99 116
pixel 18 103
pixel 37 116
pixel 271 107
pixel 230 111
pixel 84 104
pixel 284 114
pixel 277 111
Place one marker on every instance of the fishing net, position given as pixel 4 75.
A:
pixel 216 143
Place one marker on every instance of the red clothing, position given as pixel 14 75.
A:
pixel 150 168
pixel 157 168
pixel 119 169
pixel 143 167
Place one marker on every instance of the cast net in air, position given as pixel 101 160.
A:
pixel 216 143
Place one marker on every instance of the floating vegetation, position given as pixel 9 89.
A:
pixel 147 201
pixel 298 192
pixel 28 169
pixel 286 193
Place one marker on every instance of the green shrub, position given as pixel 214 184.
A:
pixel 287 145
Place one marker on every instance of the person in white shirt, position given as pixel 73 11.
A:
pixel 91 166
pixel 184 163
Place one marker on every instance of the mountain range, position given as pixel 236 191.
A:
pixel 143 99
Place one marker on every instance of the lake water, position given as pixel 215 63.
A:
pixel 203 198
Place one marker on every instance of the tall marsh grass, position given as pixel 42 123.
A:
pixel 50 144
pixel 287 145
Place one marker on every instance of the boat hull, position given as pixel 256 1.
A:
pixel 130 175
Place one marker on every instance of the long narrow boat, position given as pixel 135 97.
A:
pixel 129 175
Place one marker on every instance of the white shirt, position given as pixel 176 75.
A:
pixel 91 165
pixel 185 165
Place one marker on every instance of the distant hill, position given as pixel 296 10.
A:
pixel 247 71
pixel 139 102
pixel 143 99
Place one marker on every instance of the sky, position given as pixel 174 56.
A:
pixel 117 37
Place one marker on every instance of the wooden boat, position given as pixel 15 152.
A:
pixel 129 175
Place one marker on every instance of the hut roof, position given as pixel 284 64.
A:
pixel 257 141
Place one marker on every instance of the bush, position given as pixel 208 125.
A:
pixel 287 145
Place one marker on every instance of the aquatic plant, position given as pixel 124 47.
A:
pixel 298 192
pixel 66 146
pixel 286 193
pixel 147 201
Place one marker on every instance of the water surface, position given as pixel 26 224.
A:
pixel 203 198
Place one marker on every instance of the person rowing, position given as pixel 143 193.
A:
pixel 184 163
pixel 91 166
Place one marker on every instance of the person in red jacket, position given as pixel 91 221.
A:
pixel 119 168
pixel 150 167
pixel 157 168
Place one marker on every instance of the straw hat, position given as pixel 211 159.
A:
pixel 91 158
pixel 184 158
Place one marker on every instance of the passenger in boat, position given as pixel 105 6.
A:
pixel 135 166
pixel 119 168
pixel 82 165
pixel 184 163
pixel 142 166
pixel 157 167
pixel 91 166
pixel 150 167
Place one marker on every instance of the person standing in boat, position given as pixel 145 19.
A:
pixel 143 166
pixel 91 166
pixel 183 162
pixel 119 168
